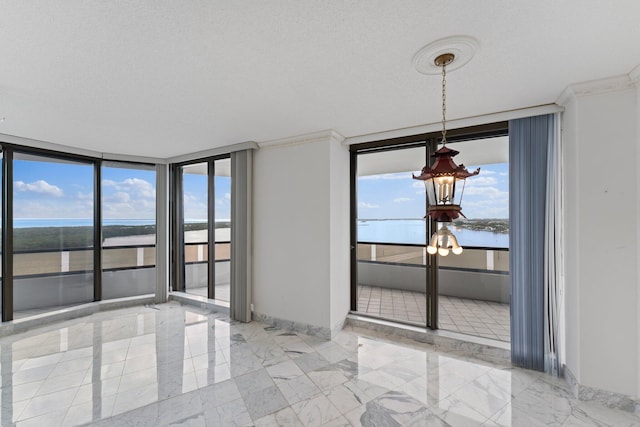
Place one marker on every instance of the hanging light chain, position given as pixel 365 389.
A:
pixel 444 104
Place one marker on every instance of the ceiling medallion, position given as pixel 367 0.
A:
pixel 462 47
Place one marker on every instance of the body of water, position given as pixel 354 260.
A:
pixel 75 222
pixel 414 231
pixel 387 231
pixel 87 222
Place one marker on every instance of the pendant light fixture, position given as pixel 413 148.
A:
pixel 444 181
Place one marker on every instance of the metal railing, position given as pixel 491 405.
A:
pixel 47 262
pixel 198 252
pixel 474 258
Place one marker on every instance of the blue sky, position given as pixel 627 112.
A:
pixel 398 195
pixel 62 190
pixel 195 197
pixel 65 190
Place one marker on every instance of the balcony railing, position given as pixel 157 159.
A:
pixel 34 263
pixel 59 278
pixel 472 258
pixel 480 273
pixel 198 252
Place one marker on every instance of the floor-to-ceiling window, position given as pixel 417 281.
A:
pixel 394 276
pixel 128 229
pixel 473 287
pixel 75 229
pixel 195 227
pixel 203 227
pixel 53 232
pixel 391 235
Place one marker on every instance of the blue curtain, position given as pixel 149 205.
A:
pixel 529 140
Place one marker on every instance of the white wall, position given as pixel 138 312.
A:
pixel 339 228
pixel 635 74
pixel 301 239
pixel 600 136
pixel 572 238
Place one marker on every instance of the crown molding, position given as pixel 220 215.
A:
pixel 36 143
pixel 456 123
pixel 134 159
pixel 66 149
pixel 595 87
pixel 227 149
pixel 322 136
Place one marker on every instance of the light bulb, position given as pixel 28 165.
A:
pixel 432 250
pixel 443 251
pixel 456 248
pixel 444 179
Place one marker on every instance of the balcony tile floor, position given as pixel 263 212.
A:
pixel 223 292
pixel 467 316
pixel 176 365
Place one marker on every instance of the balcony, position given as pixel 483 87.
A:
pixel 47 280
pixel 196 260
pixel 473 287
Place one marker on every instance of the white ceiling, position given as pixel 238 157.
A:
pixel 163 78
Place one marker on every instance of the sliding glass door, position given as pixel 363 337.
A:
pixel 392 275
pixel 391 264
pixel 203 228
pixel 195 228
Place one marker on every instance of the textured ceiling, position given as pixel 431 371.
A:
pixel 163 78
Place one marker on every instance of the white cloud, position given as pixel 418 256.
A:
pixel 367 205
pixel 481 180
pixel 135 186
pixel 118 197
pixel 84 196
pixel 129 198
pixel 486 192
pixel 402 200
pixel 40 186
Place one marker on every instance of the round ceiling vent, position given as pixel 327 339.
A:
pixel 462 47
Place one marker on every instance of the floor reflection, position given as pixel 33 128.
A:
pixel 165 364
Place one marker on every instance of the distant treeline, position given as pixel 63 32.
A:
pixel 492 225
pixel 61 238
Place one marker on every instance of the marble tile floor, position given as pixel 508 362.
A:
pixel 176 365
pixel 467 316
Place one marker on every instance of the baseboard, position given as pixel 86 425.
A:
pixel 607 398
pixel 200 302
pixel 290 325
